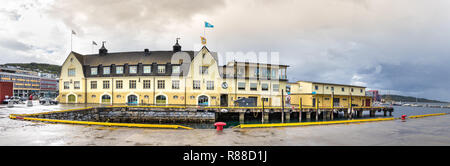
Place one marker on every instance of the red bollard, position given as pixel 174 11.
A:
pixel 403 117
pixel 219 125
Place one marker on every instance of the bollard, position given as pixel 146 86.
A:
pixel 403 117
pixel 219 125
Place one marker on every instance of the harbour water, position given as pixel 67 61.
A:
pixel 423 131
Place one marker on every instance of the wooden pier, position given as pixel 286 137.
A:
pixel 285 114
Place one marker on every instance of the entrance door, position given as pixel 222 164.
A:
pixel 314 102
pixel 224 100
pixel 203 100
pixel 132 99
pixel 71 98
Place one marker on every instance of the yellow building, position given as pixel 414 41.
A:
pixel 324 94
pixel 189 78
pixel 173 77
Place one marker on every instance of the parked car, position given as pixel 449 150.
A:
pixel 14 99
pixel 50 100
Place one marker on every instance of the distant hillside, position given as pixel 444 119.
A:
pixel 39 67
pixel 407 99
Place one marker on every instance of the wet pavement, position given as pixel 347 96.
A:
pixel 423 131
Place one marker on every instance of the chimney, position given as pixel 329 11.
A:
pixel 103 50
pixel 177 47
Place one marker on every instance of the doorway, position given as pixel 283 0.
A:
pixel 224 100
pixel 132 99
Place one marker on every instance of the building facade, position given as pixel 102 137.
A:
pixel 28 82
pixel 176 77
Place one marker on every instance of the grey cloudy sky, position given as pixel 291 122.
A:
pixel 401 46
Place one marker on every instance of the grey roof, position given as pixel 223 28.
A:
pixel 120 58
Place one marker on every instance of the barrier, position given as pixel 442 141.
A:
pixel 24 117
pixel 311 123
pixel 426 115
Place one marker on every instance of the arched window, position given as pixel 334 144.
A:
pixel 132 99
pixel 161 99
pixel 106 99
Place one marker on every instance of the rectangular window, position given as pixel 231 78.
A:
pixel 161 84
pixel 276 87
pixel 146 84
pixel 241 85
pixel 253 86
pixel 119 70
pixel 316 87
pixel 133 69
pixel 176 69
pixel 105 84
pixel 332 89
pixel 106 70
pixel 203 69
pixel 175 84
pixel 119 84
pixel 93 70
pixel 161 69
pixel 66 85
pixel 132 84
pixel 93 84
pixel 76 85
pixel 196 84
pixel 147 69
pixel 264 87
pixel 210 85
pixel 352 89
pixel 240 71
pixel 343 89
pixel 71 72
pixel 360 90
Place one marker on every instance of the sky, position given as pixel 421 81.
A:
pixel 397 47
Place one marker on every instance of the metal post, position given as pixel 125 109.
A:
pixel 282 105
pixel 300 110
pixel 262 112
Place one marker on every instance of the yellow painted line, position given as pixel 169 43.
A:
pixel 421 116
pixel 104 123
pixel 312 123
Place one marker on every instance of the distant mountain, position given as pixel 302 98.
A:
pixel 408 99
pixel 39 67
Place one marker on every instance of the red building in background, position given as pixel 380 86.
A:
pixel 6 90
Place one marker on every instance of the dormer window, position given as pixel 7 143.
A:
pixel 147 69
pixel 119 70
pixel 93 70
pixel 161 69
pixel 176 69
pixel 133 69
pixel 106 70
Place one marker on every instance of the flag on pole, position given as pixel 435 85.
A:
pixel 73 32
pixel 208 25
pixel 94 43
pixel 203 40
